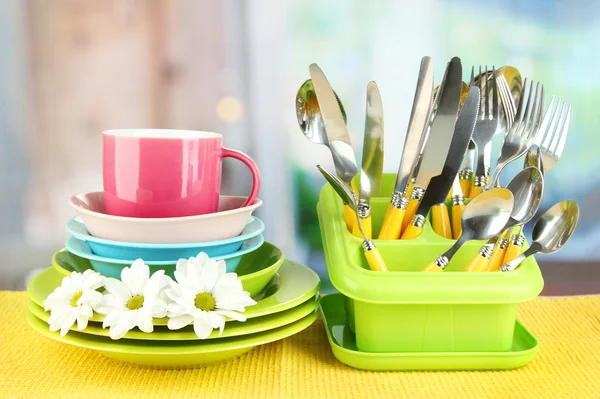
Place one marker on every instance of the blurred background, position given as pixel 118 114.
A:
pixel 73 68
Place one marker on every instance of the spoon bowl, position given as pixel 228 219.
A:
pixel 486 215
pixel 527 188
pixel 309 115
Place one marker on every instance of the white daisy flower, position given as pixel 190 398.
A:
pixel 73 301
pixel 134 300
pixel 205 294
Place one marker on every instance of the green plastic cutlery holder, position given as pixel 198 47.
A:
pixel 407 310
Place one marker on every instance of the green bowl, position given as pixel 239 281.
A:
pixel 406 310
pixel 255 269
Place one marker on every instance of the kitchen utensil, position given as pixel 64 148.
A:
pixel 551 141
pixel 227 223
pixel 372 255
pixel 438 141
pixel 522 133
pixel 550 233
pixel 439 185
pixel 292 285
pixel 466 171
pixel 514 81
pixel 169 354
pixel 162 252
pixel 310 120
pixel 485 130
pixel 344 347
pixel 255 270
pixel 414 141
pixel 484 217
pixel 527 188
pixel 458 206
pixel 338 137
pixel 372 160
pixel 233 328
pixel 156 173
pixel 552 135
pixel 506 100
pixel 112 267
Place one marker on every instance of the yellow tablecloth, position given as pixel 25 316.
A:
pixel 567 366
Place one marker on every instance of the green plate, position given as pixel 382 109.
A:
pixel 292 285
pixel 172 354
pixel 233 329
pixel 255 269
pixel 343 346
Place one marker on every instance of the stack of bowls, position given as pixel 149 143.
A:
pixel 161 203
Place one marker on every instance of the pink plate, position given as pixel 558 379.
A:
pixel 228 222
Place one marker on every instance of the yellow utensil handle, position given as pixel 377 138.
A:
pixel 449 194
pixel 457 211
pixel 475 191
pixel 411 232
pixel 375 260
pixel 366 225
pixel 392 225
pixel 350 217
pixel 411 210
pixel 497 259
pixel 409 189
pixel 433 267
pixel 512 251
pixel 465 185
pixel 440 220
pixel 479 263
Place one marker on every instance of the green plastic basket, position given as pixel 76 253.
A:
pixel 407 310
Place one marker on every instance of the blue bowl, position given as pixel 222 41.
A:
pixel 162 252
pixel 112 267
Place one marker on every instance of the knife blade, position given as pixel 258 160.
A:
pixel 439 185
pixel 337 133
pixel 413 143
pixel 439 137
pixel 372 158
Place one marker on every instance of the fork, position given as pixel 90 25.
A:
pixel 551 137
pixel 485 129
pixel 523 131
pixel 551 142
pixel 507 100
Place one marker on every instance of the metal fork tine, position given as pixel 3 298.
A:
pixel 539 106
pixel 552 129
pixel 495 107
pixel 559 126
pixel 507 99
pixel 472 81
pixel 482 97
pixel 528 108
pixel 519 116
pixel 544 132
pixel 487 94
pixel 563 134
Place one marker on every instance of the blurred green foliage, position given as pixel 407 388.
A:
pixel 307 196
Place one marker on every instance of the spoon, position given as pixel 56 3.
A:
pixel 309 115
pixel 310 120
pixel 372 254
pixel 550 233
pixel 483 217
pixel 527 188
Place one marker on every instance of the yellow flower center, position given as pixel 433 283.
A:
pixel 205 301
pixel 135 302
pixel 75 298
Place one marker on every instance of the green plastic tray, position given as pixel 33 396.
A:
pixel 406 310
pixel 343 345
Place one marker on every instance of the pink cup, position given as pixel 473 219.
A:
pixel 155 173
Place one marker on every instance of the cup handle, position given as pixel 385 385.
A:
pixel 249 162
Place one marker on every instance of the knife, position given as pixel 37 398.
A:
pixel 413 143
pixel 466 172
pixel 337 134
pixel 439 137
pixel 440 184
pixel 372 160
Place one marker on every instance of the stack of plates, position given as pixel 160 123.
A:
pixel 287 300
